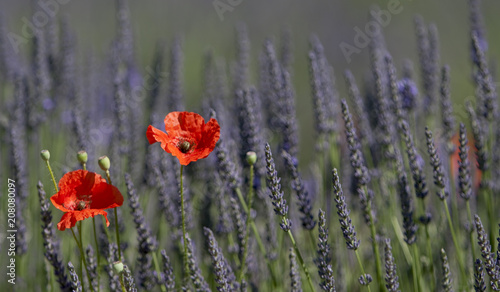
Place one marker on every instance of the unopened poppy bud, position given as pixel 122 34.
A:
pixel 104 163
pixel 118 267
pixel 45 154
pixel 251 157
pixel 82 156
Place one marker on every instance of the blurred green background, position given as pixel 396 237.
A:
pixel 202 28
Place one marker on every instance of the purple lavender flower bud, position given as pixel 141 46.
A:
pixel 408 92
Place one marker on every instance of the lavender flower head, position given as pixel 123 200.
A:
pixel 408 92
pixel 464 177
pixel 325 270
pixel 276 194
pixel 344 219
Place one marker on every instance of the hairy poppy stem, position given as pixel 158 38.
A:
pixel 82 259
pixel 117 231
pixel 97 251
pixel 186 268
pixel 249 219
pixel 117 235
pixel 52 175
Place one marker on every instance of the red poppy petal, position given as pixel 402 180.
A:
pixel 155 135
pixel 106 196
pixel 184 124
pixel 69 219
pixel 72 179
pixel 55 202
pixel 88 181
pixel 172 124
pixel 211 134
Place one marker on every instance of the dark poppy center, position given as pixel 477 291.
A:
pixel 81 205
pixel 184 146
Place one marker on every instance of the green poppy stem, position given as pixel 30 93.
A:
pixel 249 219
pixel 183 218
pixel 117 231
pixel 117 235
pixel 52 175
pixel 97 251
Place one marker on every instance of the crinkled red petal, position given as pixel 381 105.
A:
pixel 69 219
pixel 155 135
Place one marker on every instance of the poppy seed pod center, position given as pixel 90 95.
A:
pixel 81 205
pixel 184 146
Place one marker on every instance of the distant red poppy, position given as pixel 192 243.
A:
pixel 187 136
pixel 477 174
pixel 84 194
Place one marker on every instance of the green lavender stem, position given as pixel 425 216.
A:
pixel 454 199
pixel 378 261
pixel 82 258
pixel 231 243
pixel 458 251
pixel 299 255
pixel 361 267
pixel 490 199
pixel 158 272
pixel 257 235
pixel 429 251
pixel 416 268
pixel 469 217
pixel 402 243
pixel 428 245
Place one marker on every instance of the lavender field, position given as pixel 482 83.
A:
pixel 234 145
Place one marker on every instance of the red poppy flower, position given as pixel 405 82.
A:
pixel 477 174
pixel 84 194
pixel 187 136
